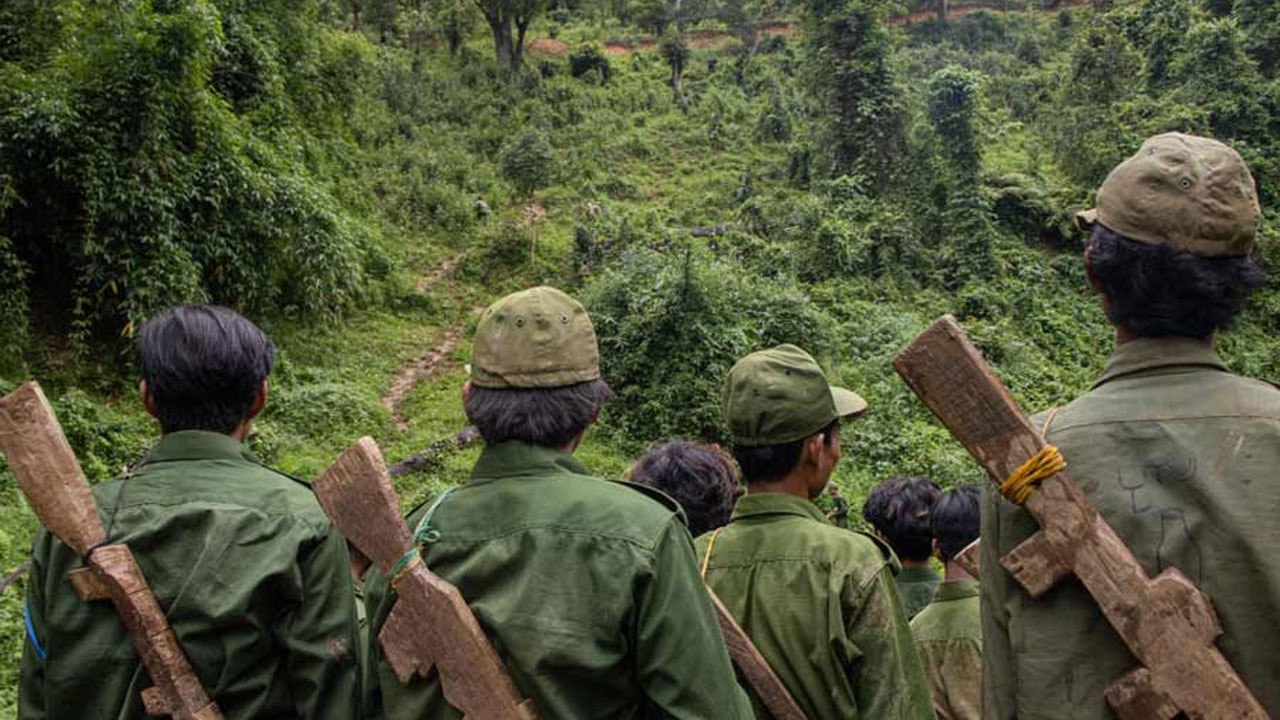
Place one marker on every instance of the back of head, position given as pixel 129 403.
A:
pixel 535 370
pixel 900 509
pixel 203 366
pixel 957 519
pixel 1172 238
pixel 702 478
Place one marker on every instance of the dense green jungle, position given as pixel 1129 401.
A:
pixel 709 176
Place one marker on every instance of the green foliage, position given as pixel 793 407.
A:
pixel 134 185
pixel 528 162
pixel 1260 20
pixel 1216 76
pixel 14 311
pixel 670 329
pixel 953 109
pixel 850 77
pixel 1094 121
pixel 587 59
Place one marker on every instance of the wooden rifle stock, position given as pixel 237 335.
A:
pixel 431 625
pixel 50 477
pixel 968 558
pixel 1167 623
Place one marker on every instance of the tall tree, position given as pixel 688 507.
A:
pixel 676 52
pixel 506 17
pixel 850 78
pixel 954 97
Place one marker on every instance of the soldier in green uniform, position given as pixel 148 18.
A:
pixel 948 632
pixel 819 602
pixel 839 515
pixel 587 588
pixel 255 581
pixel 1179 455
pixel 899 509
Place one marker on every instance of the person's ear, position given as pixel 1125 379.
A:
pixel 812 452
pixel 148 402
pixel 259 401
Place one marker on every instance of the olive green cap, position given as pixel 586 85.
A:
pixel 780 395
pixel 537 338
pixel 1193 193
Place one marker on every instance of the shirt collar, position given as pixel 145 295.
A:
pixel 761 504
pixel 198 445
pixel 918 573
pixel 1144 354
pixel 513 457
pixel 956 590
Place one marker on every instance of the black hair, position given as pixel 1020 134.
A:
pixel 957 519
pixel 770 463
pixel 550 417
pixel 900 509
pixel 203 365
pixel 1156 290
pixel 702 478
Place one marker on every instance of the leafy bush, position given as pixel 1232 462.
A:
pixel 587 59
pixel 670 329
pixel 131 185
pixel 527 162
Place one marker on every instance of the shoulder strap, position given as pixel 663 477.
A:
pixel 711 544
pixel 1048 421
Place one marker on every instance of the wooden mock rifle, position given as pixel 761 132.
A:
pixel 1166 622
pixel 50 477
pixel 430 625
pixel 967 558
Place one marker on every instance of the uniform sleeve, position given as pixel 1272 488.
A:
pixel 31 701
pixel 320 635
pixel 681 658
pixel 997 652
pixel 888 681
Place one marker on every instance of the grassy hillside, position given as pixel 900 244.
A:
pixel 330 185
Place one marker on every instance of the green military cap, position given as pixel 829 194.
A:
pixel 780 395
pixel 1193 193
pixel 537 338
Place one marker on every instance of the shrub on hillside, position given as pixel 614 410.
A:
pixel 527 162
pixel 587 59
pixel 670 329
pixel 129 184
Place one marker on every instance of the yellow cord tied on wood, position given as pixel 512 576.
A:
pixel 1044 464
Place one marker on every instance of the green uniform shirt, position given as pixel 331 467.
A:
pixel 916 586
pixel 254 580
pixel 587 588
pixel 1183 460
pixel 949 639
pixel 820 604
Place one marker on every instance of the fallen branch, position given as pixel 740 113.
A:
pixel 436 451
pixel 12 577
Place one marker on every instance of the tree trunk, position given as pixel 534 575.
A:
pixel 501 28
pixel 517 56
pixel 355 15
pixel 677 84
pixel 942 11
